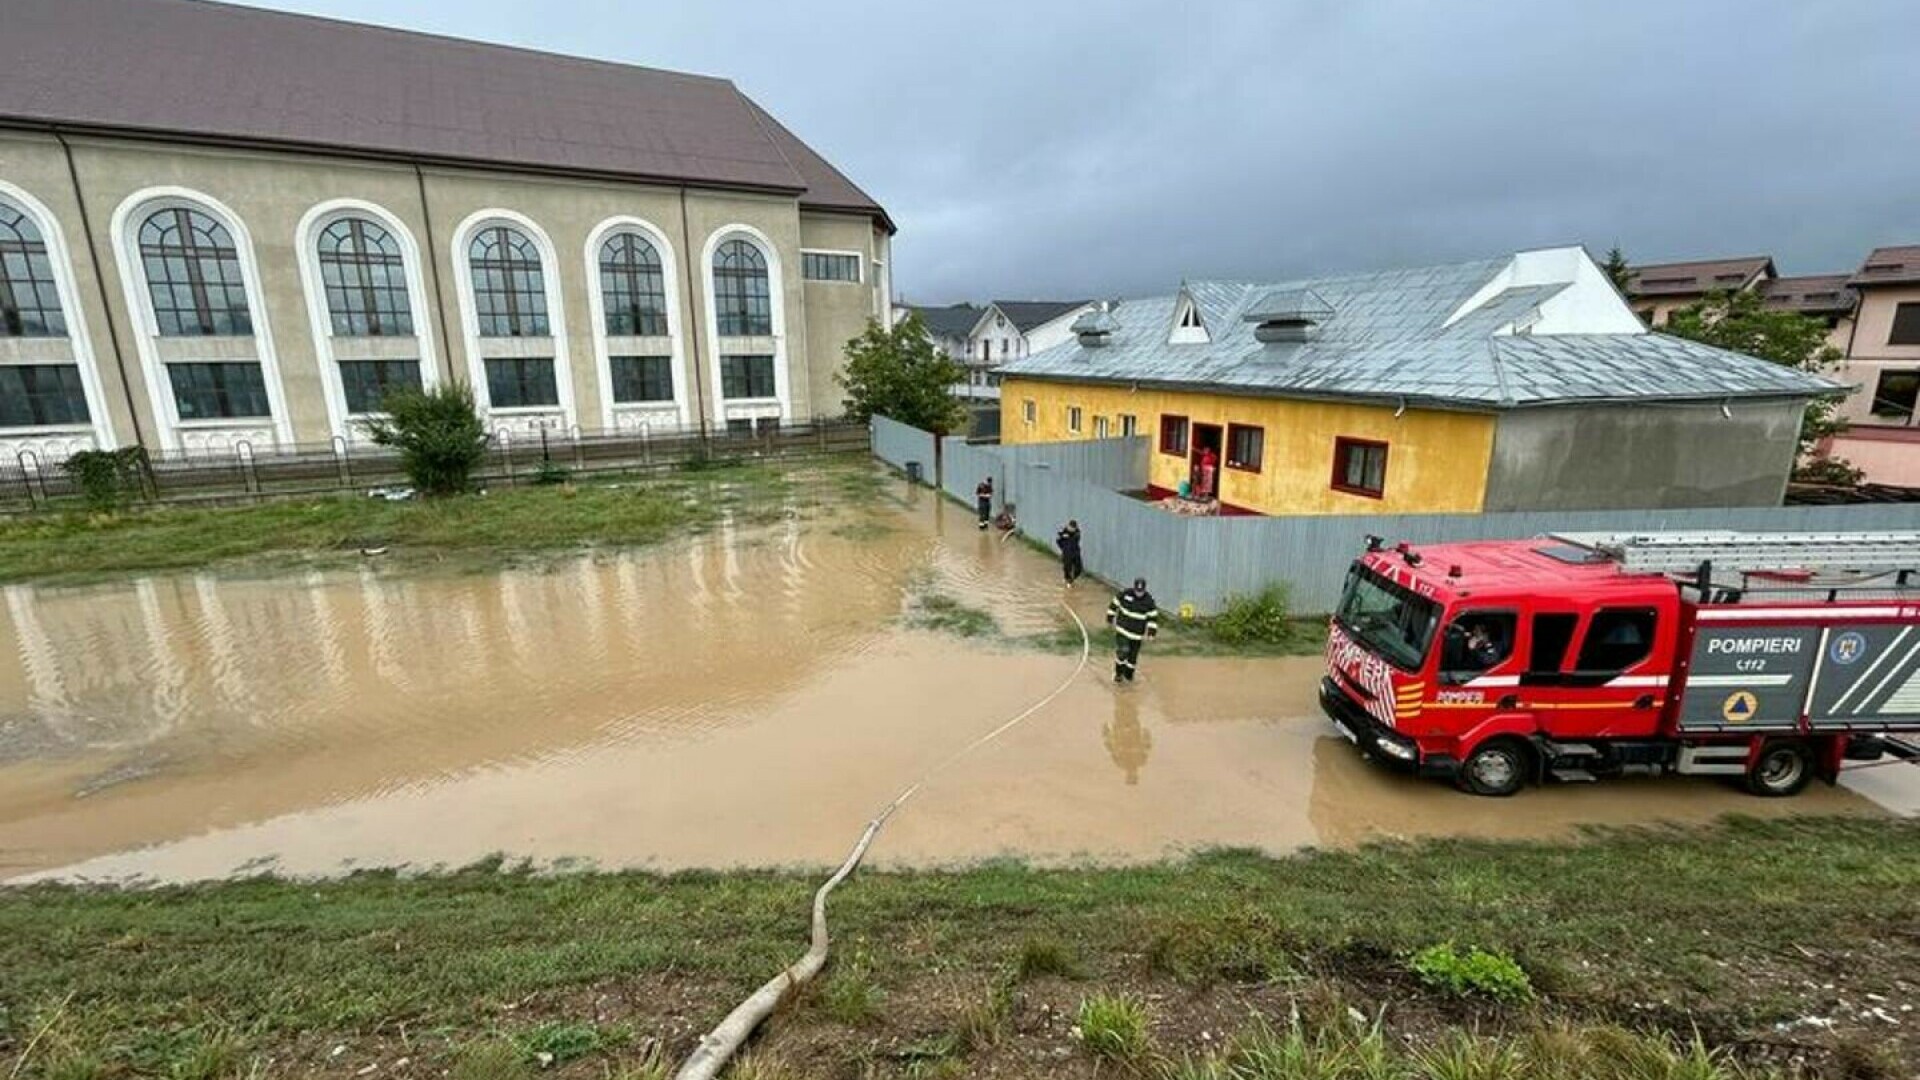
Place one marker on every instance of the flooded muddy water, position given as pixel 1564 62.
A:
pixel 745 697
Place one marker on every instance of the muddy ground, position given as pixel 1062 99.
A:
pixel 745 697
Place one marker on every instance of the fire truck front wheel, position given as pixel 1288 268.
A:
pixel 1783 768
pixel 1498 766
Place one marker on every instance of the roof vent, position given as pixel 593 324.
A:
pixel 1287 315
pixel 1096 326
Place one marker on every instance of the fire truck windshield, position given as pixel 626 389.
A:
pixel 1386 618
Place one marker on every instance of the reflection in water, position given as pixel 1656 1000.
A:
pixel 1128 741
pixel 744 697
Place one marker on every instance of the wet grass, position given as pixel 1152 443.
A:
pixel 1789 916
pixel 478 529
pixel 1303 636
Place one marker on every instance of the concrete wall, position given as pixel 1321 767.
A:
pixel 269 193
pixel 838 310
pixel 1597 457
pixel 1436 461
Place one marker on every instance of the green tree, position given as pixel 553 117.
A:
pixel 902 375
pixel 1743 323
pixel 1617 268
pixel 439 435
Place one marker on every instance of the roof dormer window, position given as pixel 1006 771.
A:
pixel 1188 327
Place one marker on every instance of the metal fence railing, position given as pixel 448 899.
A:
pixel 245 471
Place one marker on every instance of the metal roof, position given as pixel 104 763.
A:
pixel 1388 337
pixel 218 72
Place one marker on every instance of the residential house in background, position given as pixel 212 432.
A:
pixel 997 332
pixel 1658 290
pixel 1883 360
pixel 588 245
pixel 1516 383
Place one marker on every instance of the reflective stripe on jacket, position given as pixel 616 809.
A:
pixel 1134 615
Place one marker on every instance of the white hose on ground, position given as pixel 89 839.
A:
pixel 718 1046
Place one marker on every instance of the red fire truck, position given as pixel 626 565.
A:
pixel 1770 657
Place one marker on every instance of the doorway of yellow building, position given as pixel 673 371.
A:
pixel 1203 461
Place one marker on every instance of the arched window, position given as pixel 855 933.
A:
pixel 632 287
pixel 509 288
pixel 193 275
pixel 365 279
pixel 740 290
pixel 29 303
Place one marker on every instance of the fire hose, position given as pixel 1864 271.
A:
pixel 718 1046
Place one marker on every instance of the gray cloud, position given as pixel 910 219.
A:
pixel 1042 149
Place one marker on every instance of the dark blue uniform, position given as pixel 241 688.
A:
pixel 1134 617
pixel 983 501
pixel 1068 541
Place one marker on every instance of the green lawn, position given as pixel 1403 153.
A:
pixel 1723 931
pixel 75 546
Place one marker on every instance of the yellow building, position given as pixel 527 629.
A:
pixel 1515 383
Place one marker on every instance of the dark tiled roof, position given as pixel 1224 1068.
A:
pixel 189 68
pixel 1816 294
pixel 952 321
pixel 1696 278
pixel 1889 266
pixel 1027 314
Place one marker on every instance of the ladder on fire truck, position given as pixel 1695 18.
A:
pixel 1877 554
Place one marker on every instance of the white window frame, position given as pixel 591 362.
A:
pixel 528 417
pixel 1029 412
pixel 61 440
pixel 1129 425
pixel 638 414
pixel 782 400
pixel 306 239
pixel 217 436
pixel 1102 427
pixel 859 266
pixel 1076 419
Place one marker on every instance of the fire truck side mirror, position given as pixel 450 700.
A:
pixel 1375 543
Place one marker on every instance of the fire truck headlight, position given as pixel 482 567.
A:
pixel 1396 748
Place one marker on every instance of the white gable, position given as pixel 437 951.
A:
pixel 1189 327
pixel 1588 304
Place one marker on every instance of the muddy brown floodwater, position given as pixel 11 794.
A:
pixel 746 697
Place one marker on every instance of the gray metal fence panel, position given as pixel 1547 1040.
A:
pixel 897 445
pixel 1207 561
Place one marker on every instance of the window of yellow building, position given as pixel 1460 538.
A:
pixel 1246 445
pixel 1129 425
pixel 1027 411
pixel 1173 435
pixel 1073 419
pixel 1101 427
pixel 1360 467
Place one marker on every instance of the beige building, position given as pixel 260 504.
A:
pixel 222 226
pixel 1883 360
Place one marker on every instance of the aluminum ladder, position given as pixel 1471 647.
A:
pixel 1753 552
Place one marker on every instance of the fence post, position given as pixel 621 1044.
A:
pixel 342 456
pixel 29 471
pixel 579 452
pixel 506 451
pixel 249 477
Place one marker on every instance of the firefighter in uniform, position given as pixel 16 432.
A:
pixel 1134 618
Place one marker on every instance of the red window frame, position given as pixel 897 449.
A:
pixel 1167 420
pixel 1227 456
pixel 1342 448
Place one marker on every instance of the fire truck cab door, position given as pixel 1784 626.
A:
pixel 1614 678
pixel 1479 662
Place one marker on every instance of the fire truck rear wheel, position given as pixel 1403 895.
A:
pixel 1782 769
pixel 1497 767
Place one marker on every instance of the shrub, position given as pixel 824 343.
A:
pixel 439 436
pixel 851 998
pixel 107 477
pixel 1046 956
pixel 1245 947
pixel 1476 971
pixel 551 472
pixel 1114 1027
pixel 1260 619
pixel 983 1021
pixel 559 1043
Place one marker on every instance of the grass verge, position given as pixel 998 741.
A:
pixel 1763 938
pixel 482 528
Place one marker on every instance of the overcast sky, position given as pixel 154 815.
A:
pixel 1031 149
